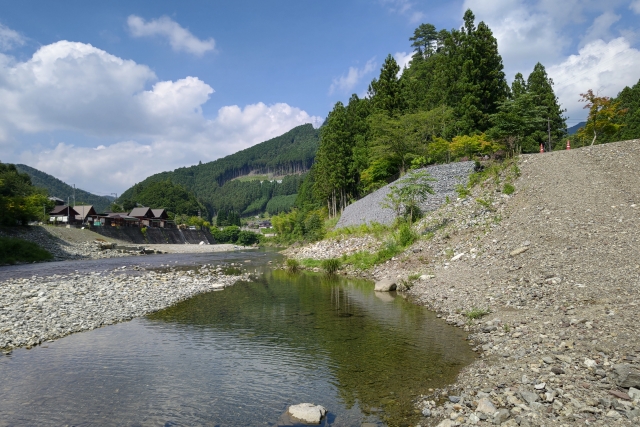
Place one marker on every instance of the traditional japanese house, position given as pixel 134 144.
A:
pixel 63 214
pixel 118 219
pixel 86 214
pixel 161 218
pixel 143 214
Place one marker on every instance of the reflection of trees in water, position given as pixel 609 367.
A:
pixel 381 353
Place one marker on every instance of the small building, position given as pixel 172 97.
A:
pixel 161 219
pixel 144 215
pixel 63 214
pixel 118 219
pixel 56 201
pixel 86 214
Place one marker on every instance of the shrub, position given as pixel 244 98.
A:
pixel 247 238
pixel 14 250
pixel 406 235
pixel 226 235
pixel 292 264
pixel 331 265
pixel 462 191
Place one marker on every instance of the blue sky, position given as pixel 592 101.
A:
pixel 104 94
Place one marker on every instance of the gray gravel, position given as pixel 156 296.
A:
pixel 369 209
pixel 44 308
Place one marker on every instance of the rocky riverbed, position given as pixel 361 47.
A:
pixel 546 283
pixel 38 309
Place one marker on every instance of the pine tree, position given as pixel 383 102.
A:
pixel 424 39
pixel 518 86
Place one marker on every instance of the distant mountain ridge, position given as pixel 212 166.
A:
pixel 573 129
pixel 292 153
pixel 62 190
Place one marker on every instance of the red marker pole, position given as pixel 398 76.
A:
pixel 568 145
pixel 541 149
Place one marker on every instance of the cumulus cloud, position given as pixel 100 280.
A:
pixel 403 59
pixel 604 67
pixel 346 83
pixel 179 38
pixel 601 28
pixel 526 34
pixel 10 38
pixel 156 125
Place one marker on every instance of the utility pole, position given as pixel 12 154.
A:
pixel 549 130
pixel 74 195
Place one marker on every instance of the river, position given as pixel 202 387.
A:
pixel 237 357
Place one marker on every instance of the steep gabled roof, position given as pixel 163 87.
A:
pixel 84 211
pixel 160 213
pixel 63 210
pixel 141 213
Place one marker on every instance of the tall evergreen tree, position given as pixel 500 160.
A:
pixel 482 85
pixel 518 86
pixel 628 99
pixel 540 85
pixel 386 92
pixel 425 39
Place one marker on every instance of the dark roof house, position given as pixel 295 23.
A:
pixel 63 210
pixel 160 213
pixel 141 213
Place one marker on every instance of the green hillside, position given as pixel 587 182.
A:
pixel 214 183
pixel 61 190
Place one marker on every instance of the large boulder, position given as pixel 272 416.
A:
pixel 385 285
pixel 307 412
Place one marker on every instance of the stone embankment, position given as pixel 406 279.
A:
pixel 45 308
pixel 371 208
pixel 546 283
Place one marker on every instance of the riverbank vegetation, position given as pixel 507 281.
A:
pixel 20 201
pixel 14 250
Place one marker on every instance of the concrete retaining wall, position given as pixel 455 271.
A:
pixel 156 235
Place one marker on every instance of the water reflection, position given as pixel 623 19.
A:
pixel 239 357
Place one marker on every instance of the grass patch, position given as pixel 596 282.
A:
pixel 462 191
pixel 292 264
pixel 476 313
pixel 311 263
pixel 374 229
pixel 413 277
pixel 14 250
pixel 331 265
pixel 508 188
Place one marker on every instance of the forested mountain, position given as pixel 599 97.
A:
pixel 573 129
pixel 61 190
pixel 20 201
pixel 213 183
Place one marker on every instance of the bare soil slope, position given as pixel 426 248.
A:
pixel 560 277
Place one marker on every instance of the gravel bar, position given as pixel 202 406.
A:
pixel 38 309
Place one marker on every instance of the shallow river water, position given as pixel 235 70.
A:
pixel 240 357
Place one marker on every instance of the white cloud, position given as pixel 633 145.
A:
pixel 10 38
pixel 601 28
pixel 406 8
pixel 526 35
pixel 346 83
pixel 403 59
pixel 604 67
pixel 86 91
pixel 180 38
pixel 635 6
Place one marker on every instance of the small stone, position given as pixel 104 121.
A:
pixel 619 394
pixel 548 360
pixel 518 251
pixel 474 419
pixel 626 376
pixel 447 423
pixel 634 393
pixel 540 386
pixel 590 363
pixel 613 414
pixel 454 399
pixel 426 412
pixel 500 416
pixel 385 285
pixel 529 397
pixel 557 371
pixel 485 406
pixel 307 412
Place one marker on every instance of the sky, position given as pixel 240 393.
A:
pixel 104 94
